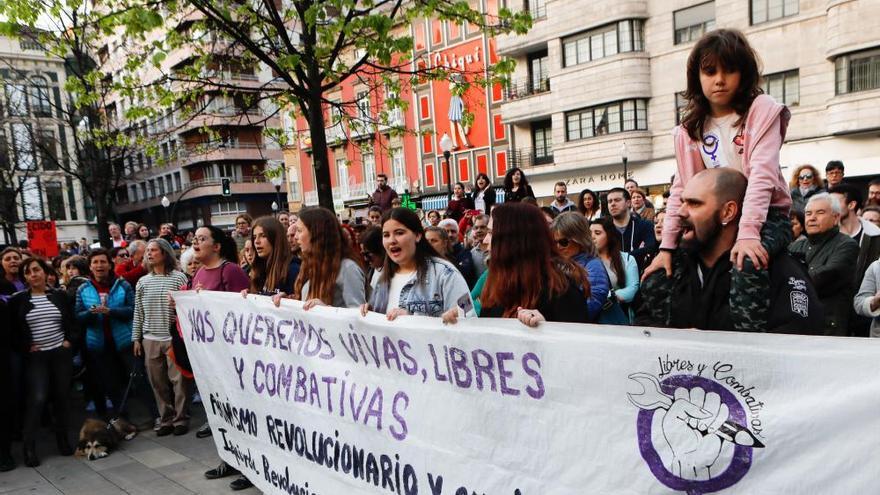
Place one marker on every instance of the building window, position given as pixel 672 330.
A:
pixel 23 147
pixel 293 181
pixel 134 193
pixel 542 142
pixel 168 186
pixel 228 207
pixel 230 170
pixel 680 106
pixel 369 161
pixel 784 87
pixel 177 183
pixel 539 72
pixel 16 100
pixel 537 9
pixel 144 194
pixel 363 106
pixel 160 187
pixel 611 118
pixel 857 71
pixel 210 172
pixel 71 198
pixel 48 150
pixel 42 106
pixel 342 174
pixel 55 201
pixel 770 10
pixel 398 170
pixel 152 184
pixel 693 22
pixel 31 199
pixel 605 41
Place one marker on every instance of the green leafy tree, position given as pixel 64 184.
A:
pixel 310 48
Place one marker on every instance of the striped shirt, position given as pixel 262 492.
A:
pixel 44 321
pixel 152 312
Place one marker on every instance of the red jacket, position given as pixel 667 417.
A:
pixel 130 272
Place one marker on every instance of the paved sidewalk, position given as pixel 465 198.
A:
pixel 146 465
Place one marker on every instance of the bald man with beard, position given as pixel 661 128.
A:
pixel 697 295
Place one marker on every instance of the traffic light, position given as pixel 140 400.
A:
pixel 226 185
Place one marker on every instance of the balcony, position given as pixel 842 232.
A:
pixel 228 151
pixel 528 157
pixel 523 88
pixel 248 184
pixel 227 116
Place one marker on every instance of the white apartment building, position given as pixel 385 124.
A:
pixel 34 138
pixel 593 75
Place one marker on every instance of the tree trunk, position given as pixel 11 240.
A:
pixel 102 215
pixel 320 158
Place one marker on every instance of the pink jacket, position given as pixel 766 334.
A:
pixel 765 129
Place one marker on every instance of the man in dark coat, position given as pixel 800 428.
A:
pixel 831 259
pixel 384 194
pixel 637 235
pixel 697 294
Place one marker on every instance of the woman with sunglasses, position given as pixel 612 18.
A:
pixel 528 279
pixel 571 231
pixel 622 269
pixel 805 182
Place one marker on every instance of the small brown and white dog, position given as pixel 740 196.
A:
pixel 98 439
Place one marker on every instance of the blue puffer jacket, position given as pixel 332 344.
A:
pixel 599 284
pixel 120 301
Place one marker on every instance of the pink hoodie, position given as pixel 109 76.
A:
pixel 765 129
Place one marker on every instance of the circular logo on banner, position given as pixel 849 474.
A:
pixel 692 432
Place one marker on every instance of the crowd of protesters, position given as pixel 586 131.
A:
pixel 734 247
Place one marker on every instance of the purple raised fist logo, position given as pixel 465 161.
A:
pixel 692 432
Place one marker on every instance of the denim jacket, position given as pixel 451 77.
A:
pixel 442 287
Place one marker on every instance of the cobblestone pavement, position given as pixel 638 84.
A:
pixel 146 465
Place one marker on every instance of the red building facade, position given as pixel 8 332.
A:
pixel 413 161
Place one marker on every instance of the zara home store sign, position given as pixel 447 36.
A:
pixel 603 178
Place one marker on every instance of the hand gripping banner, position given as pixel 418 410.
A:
pixel 328 402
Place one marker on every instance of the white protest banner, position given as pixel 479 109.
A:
pixel 327 402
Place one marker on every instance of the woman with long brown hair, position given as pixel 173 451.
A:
pixel 805 182
pixel 622 268
pixel 528 279
pixel 272 270
pixel 331 273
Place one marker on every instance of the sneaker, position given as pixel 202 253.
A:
pixel 157 423
pixel 221 471
pixel 164 431
pixel 240 483
pixel 204 431
pixel 180 430
pixel 197 398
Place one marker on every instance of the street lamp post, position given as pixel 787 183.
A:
pixel 277 181
pixel 165 204
pixel 274 207
pixel 446 146
pixel 624 157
